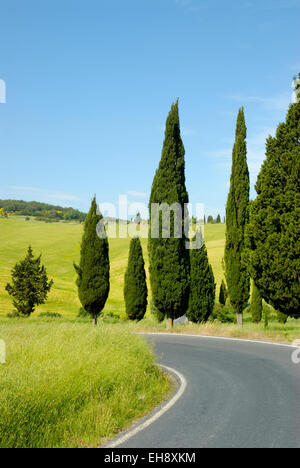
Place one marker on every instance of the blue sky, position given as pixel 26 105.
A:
pixel 90 83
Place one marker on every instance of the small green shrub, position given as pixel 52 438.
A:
pixel 282 318
pixel 50 315
pixel 223 314
pixel 13 314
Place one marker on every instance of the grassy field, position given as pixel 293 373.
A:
pixel 66 384
pixel 59 245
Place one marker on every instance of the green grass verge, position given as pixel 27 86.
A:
pixel 275 332
pixel 66 384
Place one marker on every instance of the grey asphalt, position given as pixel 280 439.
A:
pixel 239 395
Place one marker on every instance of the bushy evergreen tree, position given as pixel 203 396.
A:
pixel 256 305
pixel 168 257
pixel 218 219
pixel 237 218
pixel 30 285
pixel 93 269
pixel 274 230
pixel 223 293
pixel 135 289
pixel 202 288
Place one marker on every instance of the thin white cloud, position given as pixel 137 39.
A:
pixel 137 194
pixel 256 144
pixel 42 194
pixel 279 102
pixel 192 5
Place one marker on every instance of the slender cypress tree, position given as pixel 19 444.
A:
pixel 135 289
pixel 93 269
pixel 203 287
pixel 169 258
pixel 274 229
pixel 223 293
pixel 256 305
pixel 237 218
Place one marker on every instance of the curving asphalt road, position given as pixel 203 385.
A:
pixel 239 395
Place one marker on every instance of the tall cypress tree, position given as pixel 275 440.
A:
pixel 169 258
pixel 256 305
pixel 135 289
pixel 203 287
pixel 274 229
pixel 93 269
pixel 237 218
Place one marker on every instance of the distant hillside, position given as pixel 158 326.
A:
pixel 41 211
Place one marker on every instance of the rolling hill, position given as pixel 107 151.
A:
pixel 59 244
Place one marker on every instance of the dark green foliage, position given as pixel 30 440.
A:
pixel 42 211
pixel 223 293
pixel 83 313
pixel 266 315
pixel 135 289
pixel 50 315
pixel 14 314
pixel 210 220
pixel 282 318
pixel 168 257
pixel 218 219
pixel 159 316
pixel 237 218
pixel 224 314
pixel 202 287
pixel 274 230
pixel 93 269
pixel 256 305
pixel 30 285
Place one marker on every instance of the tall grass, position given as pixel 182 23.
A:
pixel 68 385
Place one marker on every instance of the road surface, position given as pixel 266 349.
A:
pixel 238 394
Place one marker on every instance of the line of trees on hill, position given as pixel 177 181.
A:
pixel 41 211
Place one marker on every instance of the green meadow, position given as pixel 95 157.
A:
pixel 59 244
pixel 67 384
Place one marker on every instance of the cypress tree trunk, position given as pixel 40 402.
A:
pixel 240 319
pixel 93 269
pixel 170 323
pixel 168 256
pixel 237 218
pixel 275 221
